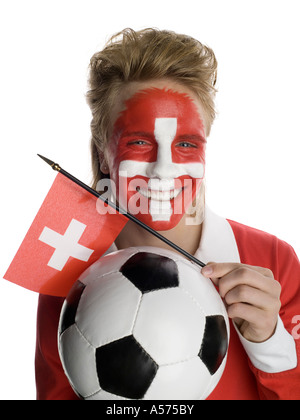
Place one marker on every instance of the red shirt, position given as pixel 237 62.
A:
pixel 240 380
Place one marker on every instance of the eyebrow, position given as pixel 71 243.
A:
pixel 182 137
pixel 138 134
pixel 194 137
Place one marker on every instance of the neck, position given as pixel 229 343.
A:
pixel 185 236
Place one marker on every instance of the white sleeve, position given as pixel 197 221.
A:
pixel 275 355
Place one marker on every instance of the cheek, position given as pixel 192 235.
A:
pixel 191 187
pixel 114 171
pixel 131 161
pixel 112 158
pixel 133 152
pixel 132 168
pixel 185 155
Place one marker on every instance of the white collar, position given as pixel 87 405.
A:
pixel 217 242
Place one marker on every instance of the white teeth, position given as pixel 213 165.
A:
pixel 160 195
pixel 156 184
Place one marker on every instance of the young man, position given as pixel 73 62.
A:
pixel 152 100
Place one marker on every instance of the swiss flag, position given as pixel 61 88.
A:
pixel 66 236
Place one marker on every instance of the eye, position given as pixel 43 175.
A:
pixel 186 144
pixel 138 143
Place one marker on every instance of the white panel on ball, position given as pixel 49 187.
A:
pixel 107 309
pixel 161 326
pixel 77 352
pixel 103 395
pixel 107 264
pixel 188 380
pixel 200 288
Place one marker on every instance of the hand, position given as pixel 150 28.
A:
pixel 251 295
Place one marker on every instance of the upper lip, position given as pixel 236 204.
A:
pixel 156 184
pixel 159 195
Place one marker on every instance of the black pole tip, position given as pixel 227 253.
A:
pixel 50 162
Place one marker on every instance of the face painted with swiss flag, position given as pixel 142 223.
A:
pixel 157 156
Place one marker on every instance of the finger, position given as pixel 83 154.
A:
pixel 255 297
pixel 245 275
pixel 216 270
pixel 263 325
pixel 246 312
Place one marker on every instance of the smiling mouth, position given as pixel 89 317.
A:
pixel 159 195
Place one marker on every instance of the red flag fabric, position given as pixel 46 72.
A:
pixel 67 235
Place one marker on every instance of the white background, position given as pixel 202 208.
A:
pixel 253 150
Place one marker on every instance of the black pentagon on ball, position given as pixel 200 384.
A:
pixel 69 308
pixel 149 272
pixel 124 368
pixel 214 343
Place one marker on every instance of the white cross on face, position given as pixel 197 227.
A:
pixel 66 245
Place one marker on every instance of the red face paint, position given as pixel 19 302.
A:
pixel 158 142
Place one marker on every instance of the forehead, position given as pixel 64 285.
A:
pixel 145 106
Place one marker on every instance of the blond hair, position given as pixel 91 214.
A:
pixel 149 54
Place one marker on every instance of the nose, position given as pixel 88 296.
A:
pixel 162 169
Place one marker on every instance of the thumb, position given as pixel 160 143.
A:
pixel 208 271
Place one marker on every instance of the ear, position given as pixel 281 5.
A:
pixel 104 167
pixel 103 164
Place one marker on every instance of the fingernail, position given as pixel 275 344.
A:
pixel 207 270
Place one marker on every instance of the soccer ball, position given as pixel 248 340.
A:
pixel 143 324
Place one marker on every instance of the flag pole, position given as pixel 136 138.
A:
pixel 58 168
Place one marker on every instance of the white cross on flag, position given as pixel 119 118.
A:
pixel 66 236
